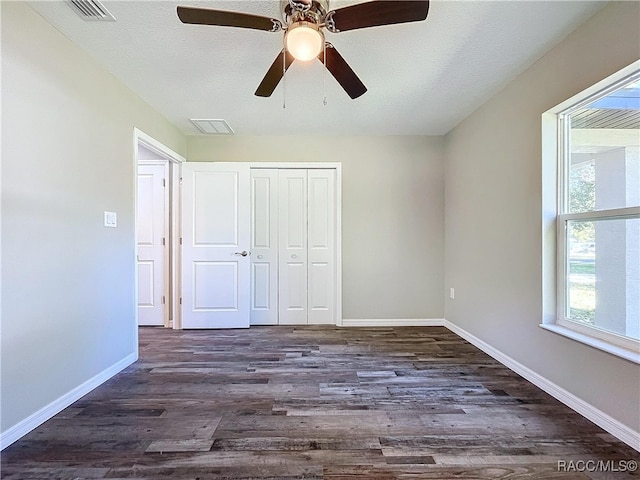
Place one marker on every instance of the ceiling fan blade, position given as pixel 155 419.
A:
pixel 205 16
pixel 274 74
pixel 379 12
pixel 342 72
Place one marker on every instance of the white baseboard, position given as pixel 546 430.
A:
pixel 393 322
pixel 38 418
pixel 604 421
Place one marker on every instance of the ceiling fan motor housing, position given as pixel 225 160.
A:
pixel 312 11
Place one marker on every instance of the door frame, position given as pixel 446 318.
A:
pixel 338 192
pixel 173 160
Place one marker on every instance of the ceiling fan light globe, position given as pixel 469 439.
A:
pixel 304 41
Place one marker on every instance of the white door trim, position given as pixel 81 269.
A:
pixel 155 146
pixel 174 160
pixel 306 165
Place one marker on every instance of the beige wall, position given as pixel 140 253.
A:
pixel 493 216
pixel 392 213
pixel 67 156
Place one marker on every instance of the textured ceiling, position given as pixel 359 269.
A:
pixel 422 78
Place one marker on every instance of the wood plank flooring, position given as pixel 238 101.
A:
pixel 314 403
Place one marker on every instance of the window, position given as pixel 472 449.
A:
pixel 598 216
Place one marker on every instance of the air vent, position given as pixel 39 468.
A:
pixel 212 126
pixel 91 10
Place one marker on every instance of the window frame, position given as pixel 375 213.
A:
pixel 556 120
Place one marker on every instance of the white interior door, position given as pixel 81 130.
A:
pixel 215 245
pixel 151 244
pixel 321 251
pixel 292 262
pixel 264 247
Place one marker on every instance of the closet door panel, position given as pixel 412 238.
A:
pixel 321 246
pixel 292 262
pixel 264 247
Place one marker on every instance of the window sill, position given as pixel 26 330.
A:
pixel 630 355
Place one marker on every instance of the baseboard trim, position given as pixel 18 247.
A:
pixel 20 429
pixel 604 421
pixel 393 322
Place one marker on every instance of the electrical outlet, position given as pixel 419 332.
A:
pixel 452 293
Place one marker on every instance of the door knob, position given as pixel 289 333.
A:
pixel 244 253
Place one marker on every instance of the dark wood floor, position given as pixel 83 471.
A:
pixel 314 403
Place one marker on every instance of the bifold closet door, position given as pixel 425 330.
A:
pixel 264 247
pixel 321 246
pixel 292 246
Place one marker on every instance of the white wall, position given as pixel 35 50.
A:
pixel 67 156
pixel 493 212
pixel 392 214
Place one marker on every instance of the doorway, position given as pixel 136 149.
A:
pixel 157 173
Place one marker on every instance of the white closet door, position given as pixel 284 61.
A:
pixel 264 247
pixel 215 245
pixel 321 247
pixel 292 263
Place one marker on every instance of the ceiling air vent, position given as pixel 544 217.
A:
pixel 91 10
pixel 212 126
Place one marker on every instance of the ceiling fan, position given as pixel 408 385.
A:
pixel 303 24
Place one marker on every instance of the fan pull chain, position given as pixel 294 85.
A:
pixel 284 78
pixel 324 75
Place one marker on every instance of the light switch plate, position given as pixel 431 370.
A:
pixel 110 219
